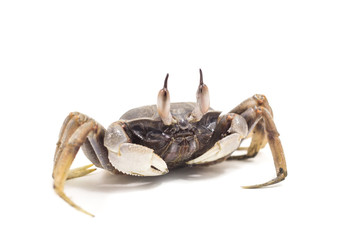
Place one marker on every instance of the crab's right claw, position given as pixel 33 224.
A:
pixel 133 159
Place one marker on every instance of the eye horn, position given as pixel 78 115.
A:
pixel 163 104
pixel 202 100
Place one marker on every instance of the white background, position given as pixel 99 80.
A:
pixel 104 57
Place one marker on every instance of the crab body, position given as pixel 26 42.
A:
pixel 175 143
pixel 151 140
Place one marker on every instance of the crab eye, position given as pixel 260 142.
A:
pixel 202 99
pixel 202 96
pixel 163 104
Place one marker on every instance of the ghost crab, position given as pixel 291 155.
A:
pixel 151 140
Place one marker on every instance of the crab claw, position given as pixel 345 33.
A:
pixel 137 160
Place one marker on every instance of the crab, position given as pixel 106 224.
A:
pixel 151 140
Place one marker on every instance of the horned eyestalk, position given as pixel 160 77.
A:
pixel 202 99
pixel 163 104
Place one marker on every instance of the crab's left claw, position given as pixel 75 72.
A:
pixel 134 159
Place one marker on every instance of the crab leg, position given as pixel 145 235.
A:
pixel 256 100
pixel 72 135
pixel 71 123
pixel 256 132
pixel 258 114
pixel 257 129
pixel 275 146
pixel 81 171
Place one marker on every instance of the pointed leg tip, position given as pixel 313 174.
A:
pixel 276 180
pixel 87 213
pixel 61 194
pixel 251 187
pixel 84 211
pixel 81 171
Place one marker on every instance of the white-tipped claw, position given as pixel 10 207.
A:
pixel 137 160
pixel 222 148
